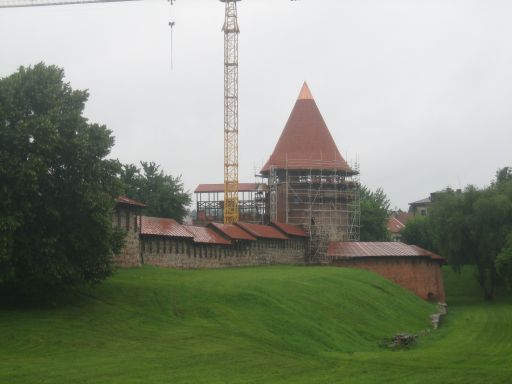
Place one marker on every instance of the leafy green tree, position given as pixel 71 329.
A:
pixel 417 231
pixel 374 215
pixel 503 176
pixel 164 194
pixel 504 262
pixel 56 186
pixel 471 227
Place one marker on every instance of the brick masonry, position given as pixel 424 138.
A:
pixel 125 218
pixel 417 274
pixel 166 252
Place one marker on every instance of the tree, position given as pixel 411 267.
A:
pixel 471 227
pixel 164 194
pixel 374 215
pixel 56 186
pixel 503 176
pixel 417 231
pixel 504 262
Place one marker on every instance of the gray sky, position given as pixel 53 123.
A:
pixel 420 91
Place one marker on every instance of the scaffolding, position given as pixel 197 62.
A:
pixel 252 203
pixel 322 199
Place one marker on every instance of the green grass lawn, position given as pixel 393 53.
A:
pixel 255 325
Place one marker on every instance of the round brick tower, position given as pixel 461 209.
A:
pixel 310 183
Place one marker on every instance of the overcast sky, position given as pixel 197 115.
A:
pixel 420 91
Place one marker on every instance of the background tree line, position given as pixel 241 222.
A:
pixel 163 194
pixel 471 227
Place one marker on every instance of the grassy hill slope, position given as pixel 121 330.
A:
pixel 154 325
pixel 253 325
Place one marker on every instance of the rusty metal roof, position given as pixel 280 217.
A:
pixel 432 255
pixel 127 201
pixel 206 235
pixel 262 231
pixel 162 227
pixel 232 231
pixel 290 230
pixel 349 250
pixel 242 187
pixel 306 142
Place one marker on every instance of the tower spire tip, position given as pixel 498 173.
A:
pixel 305 93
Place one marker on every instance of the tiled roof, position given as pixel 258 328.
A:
pixel 290 230
pixel 306 142
pixel 163 227
pixel 242 187
pixel 403 217
pixel 232 231
pixel 394 225
pixel 207 235
pixel 349 250
pixel 127 201
pixel 262 231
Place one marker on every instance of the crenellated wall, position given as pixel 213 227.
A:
pixel 169 252
pixel 421 275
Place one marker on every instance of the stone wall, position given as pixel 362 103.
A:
pixel 417 274
pixel 175 253
pixel 126 218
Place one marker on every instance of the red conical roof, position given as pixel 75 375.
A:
pixel 306 142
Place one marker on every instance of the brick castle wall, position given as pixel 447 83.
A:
pixel 419 275
pixel 126 219
pixel 175 253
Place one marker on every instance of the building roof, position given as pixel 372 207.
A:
pixel 163 227
pixel 394 225
pixel 422 201
pixel 262 231
pixel 206 235
pixel 127 201
pixel 232 231
pixel 306 142
pixel 242 187
pixel 350 250
pixel 290 230
pixel 403 217
pixel 426 252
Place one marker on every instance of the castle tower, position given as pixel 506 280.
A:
pixel 310 183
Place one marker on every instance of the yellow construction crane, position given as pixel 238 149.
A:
pixel 231 31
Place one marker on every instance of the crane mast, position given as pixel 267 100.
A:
pixel 231 31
